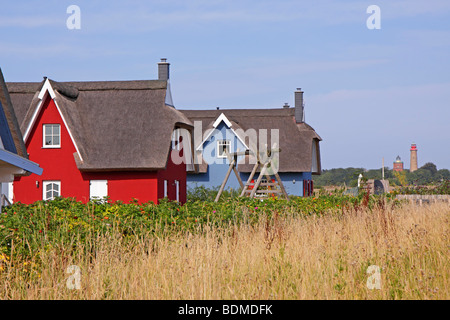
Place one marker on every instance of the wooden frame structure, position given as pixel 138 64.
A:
pixel 264 172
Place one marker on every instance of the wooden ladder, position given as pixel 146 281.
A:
pixel 277 184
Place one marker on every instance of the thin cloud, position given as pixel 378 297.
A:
pixel 57 50
pixel 30 22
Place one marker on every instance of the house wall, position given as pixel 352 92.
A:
pixel 173 173
pixel 59 164
pixel 124 186
pixel 292 181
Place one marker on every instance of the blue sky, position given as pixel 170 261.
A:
pixel 368 93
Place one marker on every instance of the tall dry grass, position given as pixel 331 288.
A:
pixel 314 257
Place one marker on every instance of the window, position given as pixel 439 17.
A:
pixel 52 136
pixel 222 146
pixel 51 189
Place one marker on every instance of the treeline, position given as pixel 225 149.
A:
pixel 426 174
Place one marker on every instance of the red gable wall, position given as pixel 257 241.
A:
pixel 59 164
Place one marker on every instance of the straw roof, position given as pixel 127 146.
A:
pixel 116 125
pixel 295 139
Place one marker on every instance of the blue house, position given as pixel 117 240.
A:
pixel 233 130
pixel 13 154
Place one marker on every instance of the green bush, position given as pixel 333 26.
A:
pixel 27 230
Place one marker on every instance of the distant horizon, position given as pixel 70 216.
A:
pixel 386 166
pixel 404 169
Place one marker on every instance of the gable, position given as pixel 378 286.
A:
pixel 46 95
pixel 222 126
pixel 221 133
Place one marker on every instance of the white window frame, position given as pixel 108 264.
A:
pixel 223 143
pixel 52 135
pixel 44 189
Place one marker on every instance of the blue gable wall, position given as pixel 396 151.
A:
pixel 217 168
pixel 292 181
pixel 5 133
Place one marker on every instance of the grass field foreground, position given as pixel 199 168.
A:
pixel 266 254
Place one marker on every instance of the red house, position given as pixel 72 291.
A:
pixel 96 139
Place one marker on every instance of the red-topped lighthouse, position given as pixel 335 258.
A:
pixel 413 161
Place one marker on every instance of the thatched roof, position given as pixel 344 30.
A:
pixel 8 111
pixel 116 125
pixel 295 139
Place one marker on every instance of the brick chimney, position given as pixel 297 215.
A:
pixel 299 108
pixel 163 69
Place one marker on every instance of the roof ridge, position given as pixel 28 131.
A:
pixel 97 85
pixel 108 85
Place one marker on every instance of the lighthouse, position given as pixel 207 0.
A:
pixel 413 161
pixel 398 164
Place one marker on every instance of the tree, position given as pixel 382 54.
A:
pixel 401 177
pixel 420 176
pixel 426 174
pixel 430 167
pixel 443 174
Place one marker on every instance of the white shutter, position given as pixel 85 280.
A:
pixel 98 189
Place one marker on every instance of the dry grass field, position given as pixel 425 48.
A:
pixel 309 257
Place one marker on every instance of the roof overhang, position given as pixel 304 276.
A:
pixel 17 165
